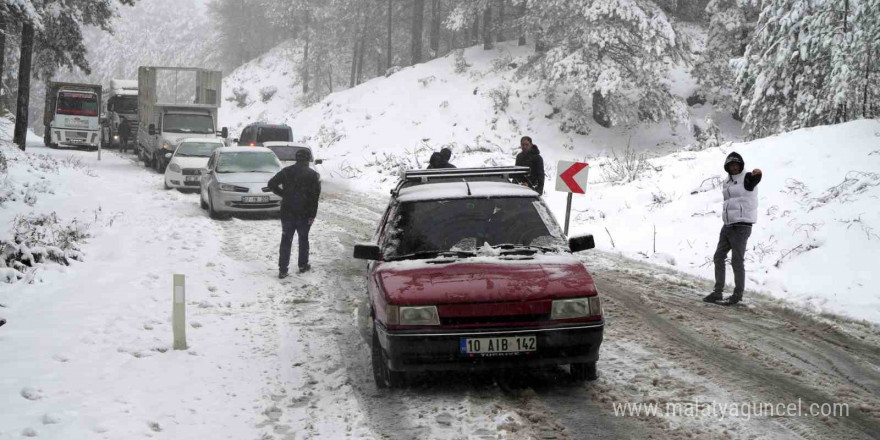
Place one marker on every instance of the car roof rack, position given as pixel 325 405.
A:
pixel 419 177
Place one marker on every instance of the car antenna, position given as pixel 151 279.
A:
pixel 468 185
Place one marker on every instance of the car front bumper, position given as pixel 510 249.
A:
pixel 233 202
pixel 440 350
pixel 178 180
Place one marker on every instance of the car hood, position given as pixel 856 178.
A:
pixel 190 162
pixel 480 279
pixel 244 177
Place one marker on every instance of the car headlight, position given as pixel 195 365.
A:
pixel 572 308
pixel 116 137
pixel 232 188
pixel 174 167
pixel 421 315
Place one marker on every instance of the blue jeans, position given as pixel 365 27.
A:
pixel 300 227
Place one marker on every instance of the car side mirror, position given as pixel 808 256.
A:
pixel 167 155
pixel 364 251
pixel 224 133
pixel 319 161
pixel 152 129
pixel 582 243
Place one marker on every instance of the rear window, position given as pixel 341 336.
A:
pixel 288 153
pixel 273 134
pixel 467 224
pixel 74 103
pixel 248 162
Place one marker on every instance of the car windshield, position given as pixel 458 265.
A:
pixel 273 134
pixel 80 104
pixel 197 149
pixel 288 153
pixel 466 225
pixel 248 162
pixel 127 104
pixel 185 123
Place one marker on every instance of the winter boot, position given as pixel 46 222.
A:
pixel 305 268
pixel 282 274
pixel 733 300
pixel 713 297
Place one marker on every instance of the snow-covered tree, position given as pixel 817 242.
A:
pixel 618 51
pixel 731 24
pixel 809 63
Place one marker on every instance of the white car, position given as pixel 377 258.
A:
pixel 237 181
pixel 286 152
pixel 189 161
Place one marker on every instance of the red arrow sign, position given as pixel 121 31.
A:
pixel 567 176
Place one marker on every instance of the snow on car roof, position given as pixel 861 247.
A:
pixel 459 190
pixel 245 150
pixel 205 140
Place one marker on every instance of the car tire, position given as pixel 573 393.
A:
pixel 385 377
pixel 211 212
pixel 166 184
pixel 584 371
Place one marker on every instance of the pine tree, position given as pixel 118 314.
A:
pixel 619 51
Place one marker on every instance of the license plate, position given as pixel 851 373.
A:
pixel 504 344
pixel 191 178
pixel 255 199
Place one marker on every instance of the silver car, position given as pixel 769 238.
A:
pixel 237 180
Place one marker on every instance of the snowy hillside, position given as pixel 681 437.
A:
pixel 477 105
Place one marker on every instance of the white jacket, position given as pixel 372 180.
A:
pixel 740 204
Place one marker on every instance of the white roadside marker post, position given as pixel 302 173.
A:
pixel 178 313
pixel 571 177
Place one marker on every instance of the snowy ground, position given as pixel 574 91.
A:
pixel 818 225
pixel 88 346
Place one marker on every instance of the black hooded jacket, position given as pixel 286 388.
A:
pixel 440 160
pixel 750 181
pixel 535 162
pixel 299 187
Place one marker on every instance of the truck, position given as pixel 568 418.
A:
pixel 122 109
pixel 175 103
pixel 72 115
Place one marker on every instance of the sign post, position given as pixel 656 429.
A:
pixel 571 177
pixel 178 312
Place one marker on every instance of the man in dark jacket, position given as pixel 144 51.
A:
pixel 441 159
pixel 739 214
pixel 123 131
pixel 530 157
pixel 299 187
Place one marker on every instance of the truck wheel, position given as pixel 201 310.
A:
pixel 584 371
pixel 384 377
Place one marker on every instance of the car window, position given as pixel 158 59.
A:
pixel 272 134
pixel 466 225
pixel 196 149
pixel 248 162
pixel 212 161
pixel 288 153
pixel 245 136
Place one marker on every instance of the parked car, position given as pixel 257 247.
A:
pixel 258 133
pixel 237 180
pixel 286 152
pixel 470 271
pixel 189 161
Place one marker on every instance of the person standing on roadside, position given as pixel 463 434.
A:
pixel 739 214
pixel 529 156
pixel 441 159
pixel 299 188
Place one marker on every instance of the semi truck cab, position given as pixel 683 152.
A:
pixel 74 118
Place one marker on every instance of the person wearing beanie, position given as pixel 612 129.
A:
pixel 740 212
pixel 299 188
pixel 441 159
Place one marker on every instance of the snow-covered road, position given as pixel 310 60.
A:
pixel 86 353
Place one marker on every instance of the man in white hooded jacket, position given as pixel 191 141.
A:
pixel 739 214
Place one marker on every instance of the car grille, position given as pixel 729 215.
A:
pixel 192 172
pixel 77 134
pixel 494 319
pixel 255 205
pixel 191 183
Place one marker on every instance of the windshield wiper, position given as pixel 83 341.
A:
pixel 520 247
pixel 433 254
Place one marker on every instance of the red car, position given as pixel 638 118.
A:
pixel 471 271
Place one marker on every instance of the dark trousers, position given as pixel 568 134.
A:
pixel 732 238
pixel 300 227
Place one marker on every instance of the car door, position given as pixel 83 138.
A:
pixel 205 179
